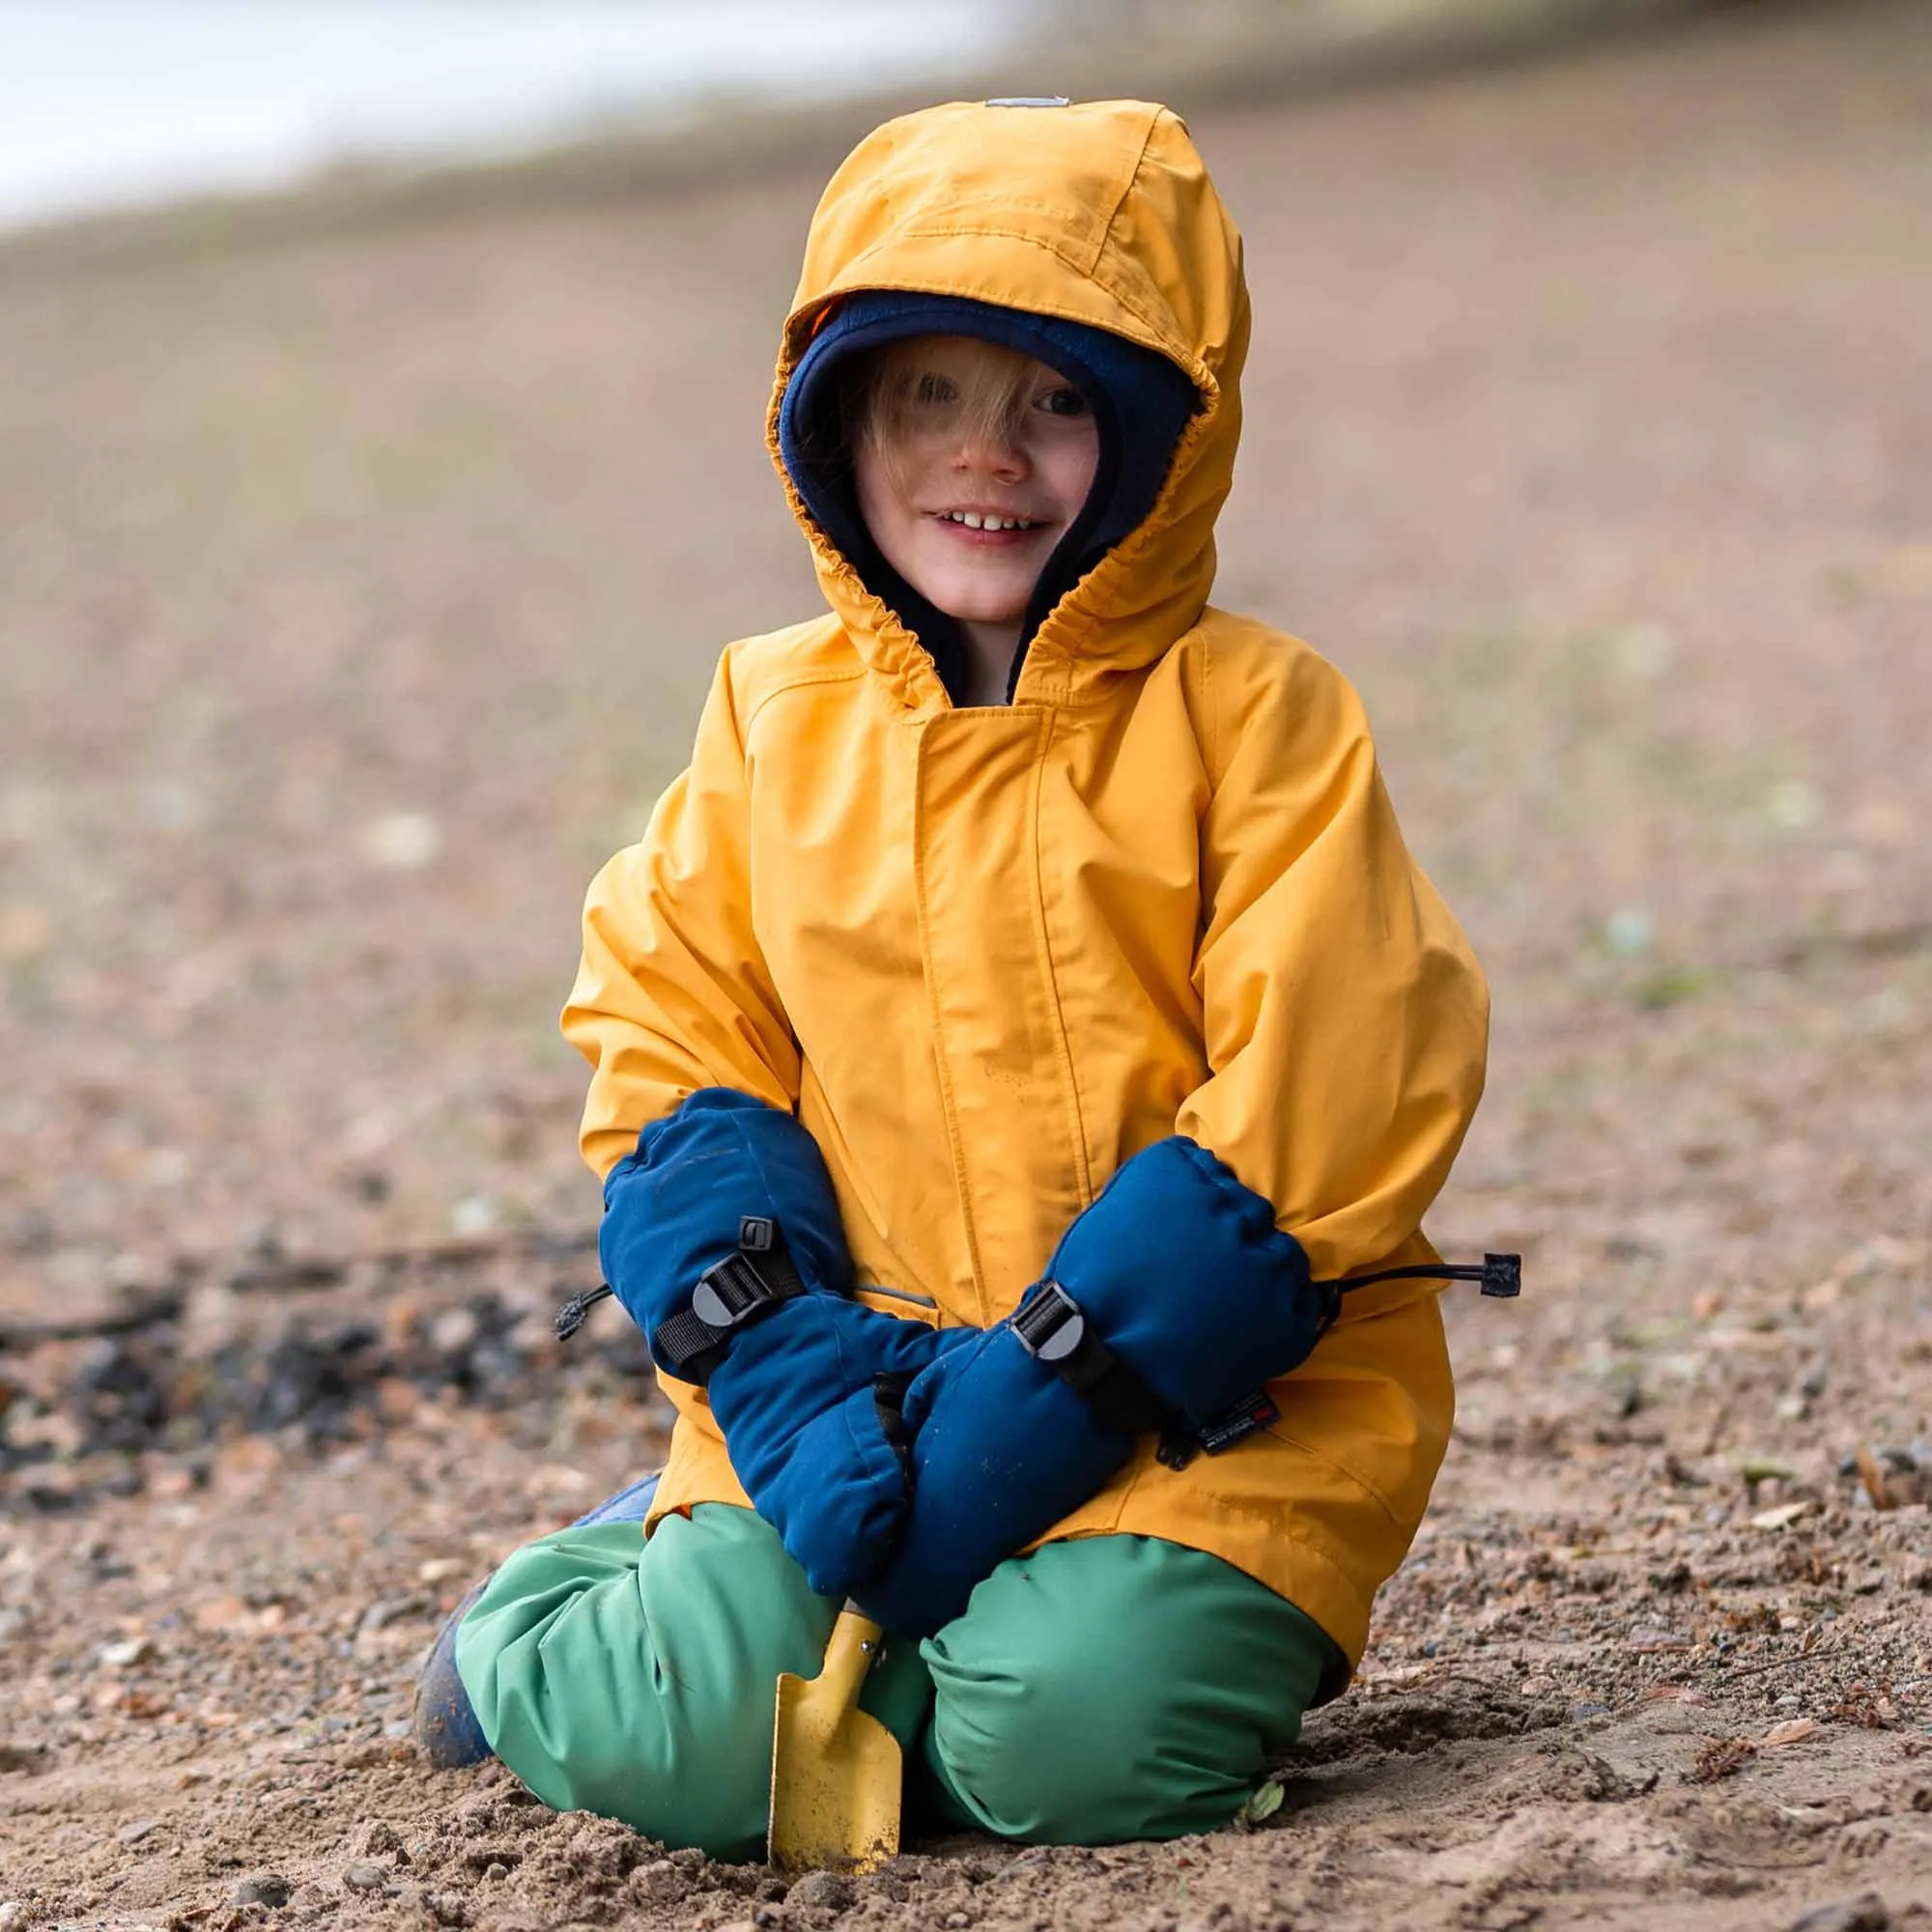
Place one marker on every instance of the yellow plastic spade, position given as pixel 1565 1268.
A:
pixel 835 1770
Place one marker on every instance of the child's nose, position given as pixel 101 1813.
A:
pixel 991 453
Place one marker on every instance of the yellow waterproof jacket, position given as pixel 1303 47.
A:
pixel 987 954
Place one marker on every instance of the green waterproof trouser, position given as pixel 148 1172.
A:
pixel 1099 1689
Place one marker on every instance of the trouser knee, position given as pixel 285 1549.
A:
pixel 1114 1688
pixel 640 1681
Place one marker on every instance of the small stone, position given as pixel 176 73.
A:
pixel 402 842
pixel 1582 1714
pixel 1652 1637
pixel 132 1835
pixel 456 1329
pixel 269 1888
pixel 1790 805
pixel 821 1891
pixel 1629 931
pixel 496 1870
pixel 136 1650
pixel 657 1882
pixel 1867 1912
pixel 444 1907
pixel 387 1610
pixel 475 1214
pixel 12 1914
pixel 362 1877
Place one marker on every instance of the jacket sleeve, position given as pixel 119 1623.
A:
pixel 1344 1018
pixel 673 993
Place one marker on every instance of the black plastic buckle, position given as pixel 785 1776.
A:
pixel 1049 1326
pixel 729 1293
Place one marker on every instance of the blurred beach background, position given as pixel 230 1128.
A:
pixel 109 105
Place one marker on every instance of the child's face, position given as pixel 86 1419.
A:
pixel 938 459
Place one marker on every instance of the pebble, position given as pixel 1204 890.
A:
pixel 821 1891
pixel 268 1889
pixel 136 1650
pixel 12 1914
pixel 1653 1636
pixel 1582 1714
pixel 387 1610
pixel 402 842
pixel 365 1878
pixel 1867 1912
pixel 132 1835
pixel 454 1330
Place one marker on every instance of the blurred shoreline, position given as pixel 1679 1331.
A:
pixel 109 106
pixel 1225 51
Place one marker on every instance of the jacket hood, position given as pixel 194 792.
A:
pixel 1099 216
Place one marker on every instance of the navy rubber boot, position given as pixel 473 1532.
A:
pixel 443 1716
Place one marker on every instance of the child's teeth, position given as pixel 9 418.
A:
pixel 974 520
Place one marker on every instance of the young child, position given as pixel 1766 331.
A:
pixel 1013 1025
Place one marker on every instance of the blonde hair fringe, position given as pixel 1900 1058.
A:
pixel 881 407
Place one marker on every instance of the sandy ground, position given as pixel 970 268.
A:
pixel 355 597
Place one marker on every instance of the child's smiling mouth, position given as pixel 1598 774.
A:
pixel 984 526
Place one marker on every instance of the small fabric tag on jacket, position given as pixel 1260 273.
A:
pixel 1237 1423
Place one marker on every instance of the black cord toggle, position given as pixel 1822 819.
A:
pixel 570 1317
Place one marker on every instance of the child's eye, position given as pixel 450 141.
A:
pixel 1066 401
pixel 930 388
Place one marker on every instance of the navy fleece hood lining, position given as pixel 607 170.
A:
pixel 1141 403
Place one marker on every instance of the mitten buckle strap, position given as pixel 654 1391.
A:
pixel 746 1285
pixel 1052 1328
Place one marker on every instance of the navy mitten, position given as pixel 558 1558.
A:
pixel 675 1208
pixel 723 1241
pixel 1179 1272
